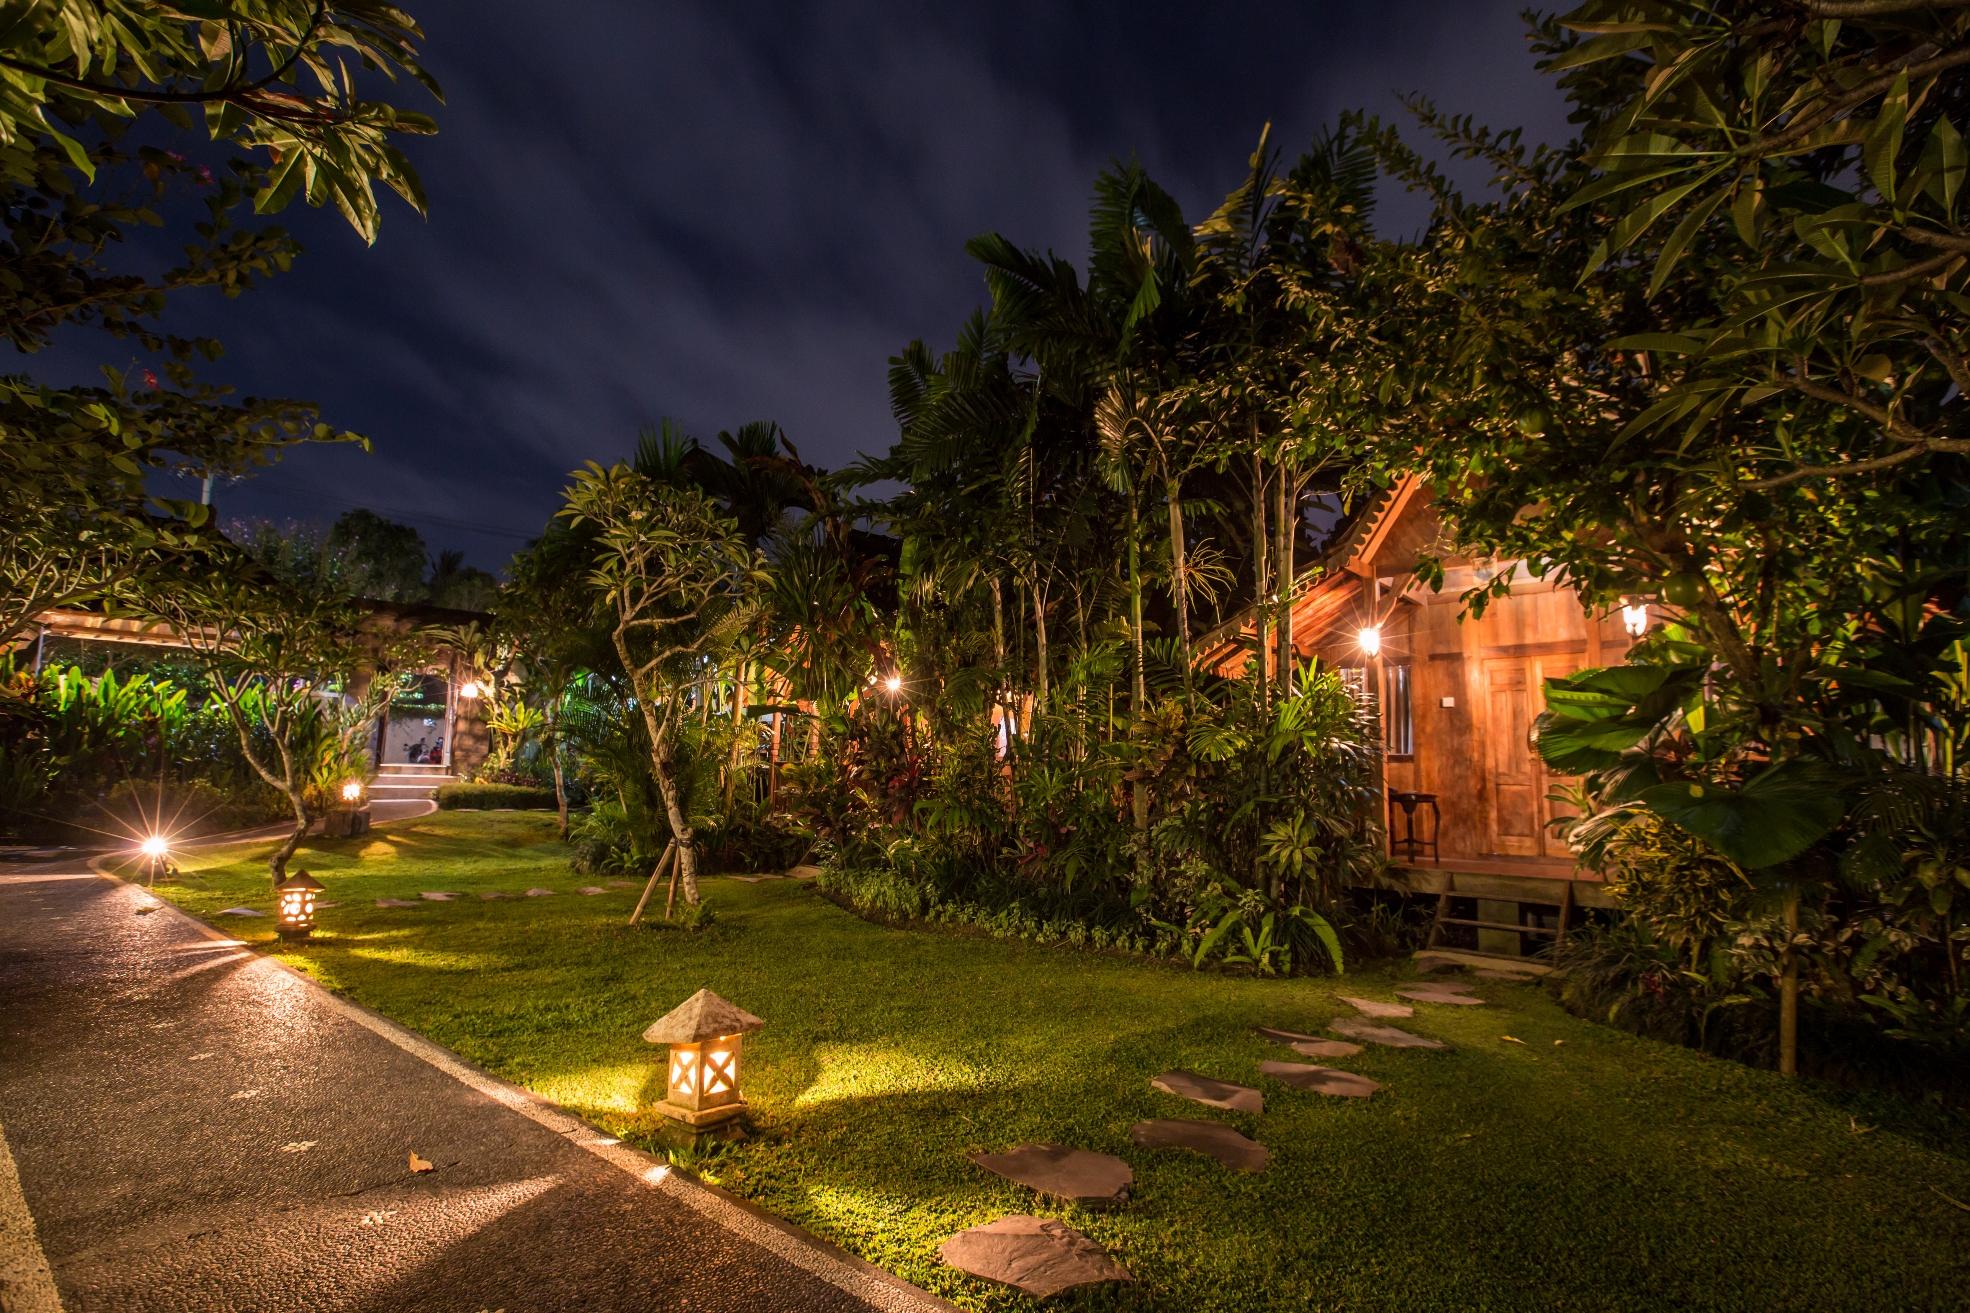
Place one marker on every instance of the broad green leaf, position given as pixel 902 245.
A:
pixel 1772 819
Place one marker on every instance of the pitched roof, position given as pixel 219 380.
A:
pixel 700 1017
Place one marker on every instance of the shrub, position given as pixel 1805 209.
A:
pixel 484 797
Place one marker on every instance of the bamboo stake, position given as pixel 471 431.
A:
pixel 650 885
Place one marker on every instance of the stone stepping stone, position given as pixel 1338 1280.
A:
pixel 1490 973
pixel 623 884
pixel 805 871
pixel 1211 1093
pixel 1036 1255
pixel 1370 1007
pixel 1321 1080
pixel 1441 994
pixel 491 894
pixel 1080 1176
pixel 1227 1144
pixel 398 902
pixel 540 893
pixel 591 890
pixel 1325 1048
pixel 239 911
pixel 439 895
pixel 1388 1036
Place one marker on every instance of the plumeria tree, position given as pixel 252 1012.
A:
pixel 678 585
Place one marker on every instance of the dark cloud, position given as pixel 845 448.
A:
pixel 721 213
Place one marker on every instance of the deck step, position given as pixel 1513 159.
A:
pixel 1497 925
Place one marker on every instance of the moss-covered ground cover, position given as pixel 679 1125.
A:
pixel 1544 1163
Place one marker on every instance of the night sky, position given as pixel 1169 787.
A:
pixel 728 212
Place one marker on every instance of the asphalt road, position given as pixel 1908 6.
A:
pixel 197 1128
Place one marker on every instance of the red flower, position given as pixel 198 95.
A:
pixel 150 379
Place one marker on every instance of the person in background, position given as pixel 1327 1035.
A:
pixel 437 757
pixel 415 753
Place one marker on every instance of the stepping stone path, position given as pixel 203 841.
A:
pixel 491 894
pixel 1210 1093
pixel 804 872
pixel 591 890
pixel 1452 994
pixel 1283 1036
pixel 239 911
pixel 1369 1007
pixel 397 902
pixel 1227 1144
pixel 1036 1255
pixel 540 893
pixel 623 884
pixel 1388 1036
pixel 1098 1180
pixel 1490 973
pixel 439 895
pixel 1321 1080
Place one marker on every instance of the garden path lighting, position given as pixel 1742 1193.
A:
pixel 469 690
pixel 352 791
pixel 295 905
pixel 1370 639
pixel 894 683
pixel 703 1033
pixel 1635 617
pixel 156 852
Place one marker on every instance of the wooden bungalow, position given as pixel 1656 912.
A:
pixel 1468 799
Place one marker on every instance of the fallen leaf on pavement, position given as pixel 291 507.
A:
pixel 1854 1126
pixel 1511 1039
pixel 1558 1042
pixel 420 1165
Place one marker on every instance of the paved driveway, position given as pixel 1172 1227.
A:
pixel 197 1128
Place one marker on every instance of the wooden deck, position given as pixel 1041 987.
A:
pixel 1517 879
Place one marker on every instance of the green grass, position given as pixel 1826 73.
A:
pixel 1580 1168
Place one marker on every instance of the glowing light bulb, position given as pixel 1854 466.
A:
pixel 1370 639
pixel 894 683
pixel 469 689
pixel 155 846
pixel 352 791
pixel 1635 618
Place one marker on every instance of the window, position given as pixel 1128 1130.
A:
pixel 1398 729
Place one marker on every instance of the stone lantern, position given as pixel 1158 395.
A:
pixel 294 908
pixel 703 1033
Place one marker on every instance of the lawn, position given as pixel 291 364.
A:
pixel 1569 1166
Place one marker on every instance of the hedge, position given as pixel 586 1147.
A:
pixel 485 797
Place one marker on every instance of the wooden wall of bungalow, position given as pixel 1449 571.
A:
pixel 1457 697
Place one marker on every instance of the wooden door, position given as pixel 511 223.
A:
pixel 1519 811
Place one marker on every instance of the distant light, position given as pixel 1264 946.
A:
pixel 1370 639
pixel 894 683
pixel 469 689
pixel 155 847
pixel 1635 618
pixel 352 791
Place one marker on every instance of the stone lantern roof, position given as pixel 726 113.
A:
pixel 700 1017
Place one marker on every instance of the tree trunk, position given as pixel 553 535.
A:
pixel 560 786
pixel 686 872
pixel 1039 647
pixel 1179 575
pixel 1283 562
pixel 1261 650
pixel 277 864
pixel 1788 991
pixel 1138 676
pixel 738 726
